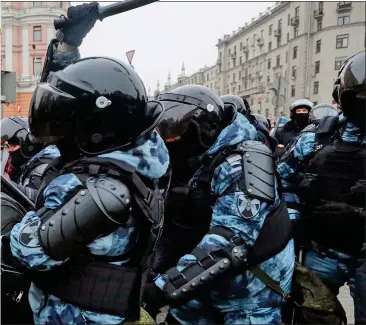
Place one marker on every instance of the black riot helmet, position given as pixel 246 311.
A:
pixel 98 102
pixel 321 110
pixel 350 89
pixel 236 101
pixel 262 119
pixel 194 117
pixel 15 131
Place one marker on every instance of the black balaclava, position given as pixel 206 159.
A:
pixel 301 120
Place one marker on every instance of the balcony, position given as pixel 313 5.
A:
pixel 295 21
pixel 344 7
pixel 233 55
pixel 318 13
pixel 260 41
pixel 277 33
pixel 245 49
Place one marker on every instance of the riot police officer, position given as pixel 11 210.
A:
pixel 102 214
pixel 299 119
pixel 197 289
pixel 333 158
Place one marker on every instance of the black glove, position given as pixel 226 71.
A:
pixel 83 20
pixel 329 209
pixel 154 298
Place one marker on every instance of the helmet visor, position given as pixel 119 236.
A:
pixel 176 119
pixel 9 128
pixel 51 114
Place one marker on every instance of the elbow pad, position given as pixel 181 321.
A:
pixel 91 213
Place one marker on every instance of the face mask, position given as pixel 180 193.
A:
pixel 301 120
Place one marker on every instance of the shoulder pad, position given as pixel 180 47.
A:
pixel 92 212
pixel 39 170
pixel 259 173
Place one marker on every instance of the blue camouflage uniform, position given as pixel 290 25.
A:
pixel 334 272
pixel 151 159
pixel 48 152
pixel 243 299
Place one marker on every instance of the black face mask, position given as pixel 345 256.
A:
pixel 301 120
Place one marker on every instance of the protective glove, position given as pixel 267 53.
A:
pixel 83 20
pixel 329 209
pixel 154 298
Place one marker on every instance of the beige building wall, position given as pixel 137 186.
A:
pixel 294 40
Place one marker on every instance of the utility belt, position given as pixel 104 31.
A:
pixel 95 285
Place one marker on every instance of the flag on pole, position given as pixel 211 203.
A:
pixel 130 55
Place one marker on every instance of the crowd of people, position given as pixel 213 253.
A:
pixel 189 201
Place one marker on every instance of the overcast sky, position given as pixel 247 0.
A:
pixel 165 34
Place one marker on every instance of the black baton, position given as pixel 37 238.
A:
pixel 17 194
pixel 107 11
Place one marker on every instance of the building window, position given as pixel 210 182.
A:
pixel 297 12
pixel 270 46
pixel 59 4
pixel 319 25
pixel 293 72
pixel 288 37
pixel 296 32
pixel 37 4
pixel 262 31
pixel 37 33
pixel 241 60
pixel 286 57
pixel 294 52
pixel 227 91
pixel 229 52
pixel 293 92
pixel 278 60
pixel 269 64
pixel 339 61
pixel 234 92
pixel 270 30
pixel 316 87
pixel 343 20
pixel 239 88
pixel 234 77
pixel 267 112
pixel 317 67
pixel 278 41
pixel 280 24
pixel 228 65
pixel 288 19
pixel 342 41
pixel 268 79
pixel 239 75
pixel 320 4
pixel 37 66
pixel 318 46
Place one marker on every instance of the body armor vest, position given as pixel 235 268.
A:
pixel 116 290
pixel 339 166
pixel 34 171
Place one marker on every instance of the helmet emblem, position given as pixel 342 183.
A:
pixel 102 102
pixel 210 107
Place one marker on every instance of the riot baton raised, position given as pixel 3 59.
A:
pixel 17 194
pixel 107 11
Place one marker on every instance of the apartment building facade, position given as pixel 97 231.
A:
pixel 27 28
pixel 293 50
